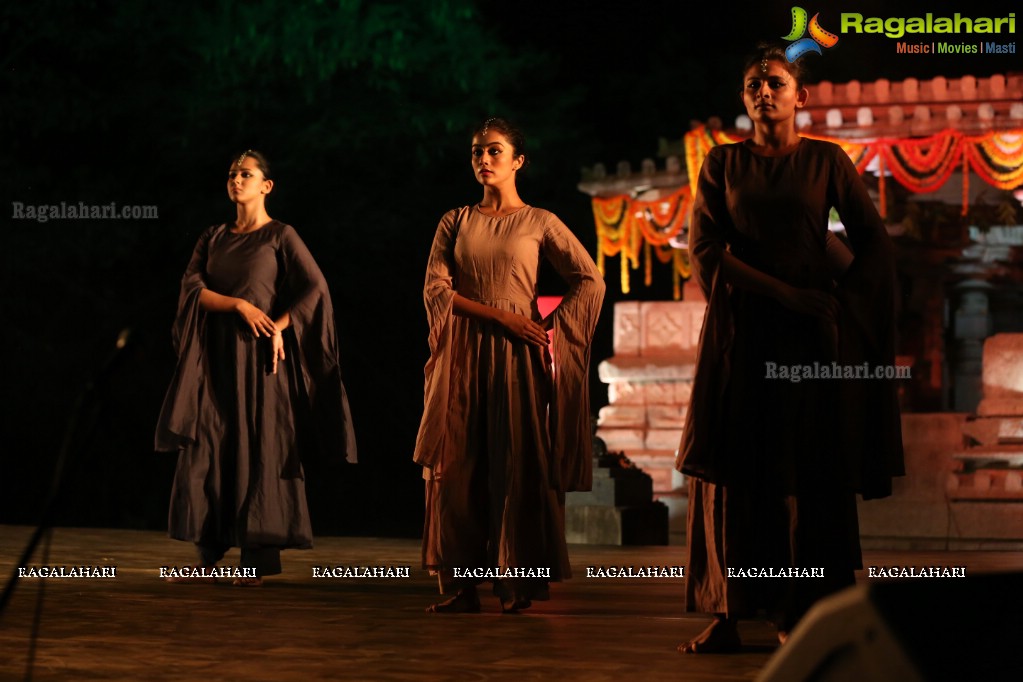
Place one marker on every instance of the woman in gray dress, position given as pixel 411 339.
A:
pixel 774 465
pixel 257 387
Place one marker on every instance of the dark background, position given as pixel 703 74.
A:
pixel 365 110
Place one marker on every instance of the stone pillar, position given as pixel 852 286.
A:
pixel 971 324
pixel 649 385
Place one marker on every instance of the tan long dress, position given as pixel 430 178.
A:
pixel 500 440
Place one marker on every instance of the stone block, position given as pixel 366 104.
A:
pixel 614 488
pixel 622 439
pixel 663 439
pixel 1010 431
pixel 666 416
pixel 594 525
pixel 626 393
pixel 642 392
pixel 983 431
pixel 1000 407
pixel 622 416
pixel 626 328
pixel 671 327
pixel 1003 367
pixel 646 368
pixel 683 392
pixel 989 457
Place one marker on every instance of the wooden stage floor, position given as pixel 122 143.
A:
pixel 296 627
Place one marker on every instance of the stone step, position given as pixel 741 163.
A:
pixel 614 487
pixel 986 456
pixel 642 416
pixel 677 502
pixel 659 465
pixel 663 439
pixel 1000 407
pixel 666 416
pixel 989 484
pixel 622 439
pixel 647 368
pixel 995 430
pixel 986 521
pixel 622 416
pixel 650 392
pixel 630 440
pixel 639 525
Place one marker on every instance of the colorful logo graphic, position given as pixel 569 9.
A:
pixel 818 36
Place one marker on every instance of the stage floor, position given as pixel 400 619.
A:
pixel 296 627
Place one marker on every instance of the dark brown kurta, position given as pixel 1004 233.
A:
pixel 776 464
pixel 501 441
pixel 241 431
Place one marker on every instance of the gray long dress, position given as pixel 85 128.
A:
pixel 774 465
pixel 240 431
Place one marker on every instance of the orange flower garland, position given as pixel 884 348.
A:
pixel 628 227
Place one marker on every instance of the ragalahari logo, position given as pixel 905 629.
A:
pixel 818 36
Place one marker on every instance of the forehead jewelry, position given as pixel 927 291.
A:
pixel 486 125
pixel 763 66
pixel 241 158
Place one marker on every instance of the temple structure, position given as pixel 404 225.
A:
pixel 943 159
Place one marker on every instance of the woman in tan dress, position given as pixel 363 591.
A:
pixel 775 465
pixel 502 436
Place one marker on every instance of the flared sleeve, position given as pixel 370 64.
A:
pixel 438 297
pixel 709 227
pixel 305 296
pixel 870 415
pixel 575 319
pixel 176 426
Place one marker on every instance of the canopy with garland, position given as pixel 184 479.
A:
pixel 629 227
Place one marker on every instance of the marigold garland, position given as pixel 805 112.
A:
pixel 922 165
pixel 966 184
pixel 639 230
pixel 635 229
pixel 997 158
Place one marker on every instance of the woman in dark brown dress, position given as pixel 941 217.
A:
pixel 774 465
pixel 257 386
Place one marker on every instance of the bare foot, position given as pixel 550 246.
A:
pixel 465 601
pixel 247 582
pixel 720 637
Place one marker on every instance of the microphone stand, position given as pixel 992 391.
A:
pixel 76 436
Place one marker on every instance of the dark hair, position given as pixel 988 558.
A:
pixel 776 52
pixel 261 162
pixel 511 132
